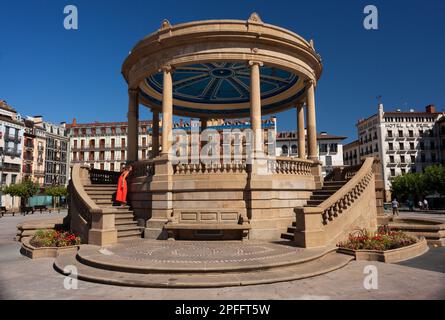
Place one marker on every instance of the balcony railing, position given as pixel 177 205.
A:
pixel 10 137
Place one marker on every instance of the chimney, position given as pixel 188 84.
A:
pixel 431 108
pixel 74 122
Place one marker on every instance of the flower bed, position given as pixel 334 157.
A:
pixel 49 244
pixel 384 245
pixel 54 238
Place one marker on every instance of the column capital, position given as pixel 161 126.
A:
pixel 311 82
pixel 255 62
pixel 166 68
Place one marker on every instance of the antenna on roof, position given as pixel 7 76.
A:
pixel 379 99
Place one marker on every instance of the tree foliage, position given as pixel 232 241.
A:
pixel 419 185
pixel 56 191
pixel 24 190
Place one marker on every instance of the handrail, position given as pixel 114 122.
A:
pixel 78 188
pixel 343 196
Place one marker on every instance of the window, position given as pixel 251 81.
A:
pixel 102 167
pixel 411 146
pixel 390 133
pixel 411 133
pixel 401 146
pixel 393 172
pixel 323 148
pixel 403 171
pixel 391 146
pixel 123 155
pixel 144 141
pixel 111 166
pixel 112 142
pixel 328 161
pixel 123 142
pixel 284 150
pixel 413 159
pixel 433 157
pixel 401 133
pixel 391 159
pixel 112 155
pixel 402 159
pixel 333 147
pixel 294 149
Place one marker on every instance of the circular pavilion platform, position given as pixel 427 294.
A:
pixel 204 264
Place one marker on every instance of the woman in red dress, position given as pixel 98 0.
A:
pixel 121 195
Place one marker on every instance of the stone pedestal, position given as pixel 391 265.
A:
pixel 162 199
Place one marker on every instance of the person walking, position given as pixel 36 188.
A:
pixel 426 205
pixel 121 194
pixel 395 207
pixel 420 204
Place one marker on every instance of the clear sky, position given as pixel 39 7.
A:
pixel 47 70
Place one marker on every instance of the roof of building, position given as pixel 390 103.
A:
pixel 351 144
pixel 5 106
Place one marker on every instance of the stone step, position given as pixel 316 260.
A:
pixel 123 215
pixel 314 203
pixel 291 230
pixel 101 196
pixel 128 227
pixel 126 222
pixel 330 183
pixel 324 192
pixel 327 263
pixel 287 236
pixel 330 188
pixel 320 197
pixel 129 233
pixel 100 192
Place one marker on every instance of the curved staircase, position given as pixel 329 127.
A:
pixel 318 196
pixel 103 195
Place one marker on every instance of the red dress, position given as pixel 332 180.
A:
pixel 121 194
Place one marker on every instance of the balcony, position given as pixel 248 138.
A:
pixel 401 150
pixel 400 138
pixel 412 151
pixel 389 137
pixel 39 173
pixel 10 167
pixel 411 138
pixel 391 151
pixel 392 164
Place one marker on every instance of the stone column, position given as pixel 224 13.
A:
pixel 255 105
pixel 311 122
pixel 133 125
pixel 301 132
pixel 155 134
pixel 167 110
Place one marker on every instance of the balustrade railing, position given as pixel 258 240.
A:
pixel 144 168
pixel 290 166
pixel 341 200
pixel 208 168
pixel 104 177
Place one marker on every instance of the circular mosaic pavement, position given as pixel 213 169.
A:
pixel 154 256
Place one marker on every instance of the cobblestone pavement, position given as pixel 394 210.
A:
pixel 22 278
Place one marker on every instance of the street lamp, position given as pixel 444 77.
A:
pixel 2 156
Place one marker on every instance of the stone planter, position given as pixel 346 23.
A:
pixel 389 256
pixel 44 252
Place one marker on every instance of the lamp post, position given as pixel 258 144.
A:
pixel 2 156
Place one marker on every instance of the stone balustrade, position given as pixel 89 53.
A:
pixel 285 165
pixel 144 168
pixel 210 168
pixel 355 201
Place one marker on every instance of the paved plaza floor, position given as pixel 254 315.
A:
pixel 419 278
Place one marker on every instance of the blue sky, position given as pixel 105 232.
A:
pixel 60 74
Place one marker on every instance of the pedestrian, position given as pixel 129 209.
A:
pixel 426 205
pixel 121 195
pixel 395 207
pixel 420 204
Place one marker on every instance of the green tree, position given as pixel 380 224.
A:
pixel 56 192
pixel 408 186
pixel 24 190
pixel 434 177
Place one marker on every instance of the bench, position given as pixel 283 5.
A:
pixel 206 229
pixel 27 210
pixel 4 211
pixel 41 208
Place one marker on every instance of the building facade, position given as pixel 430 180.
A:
pixel 330 148
pixel 403 141
pixel 351 153
pixel 11 146
pixel 103 146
